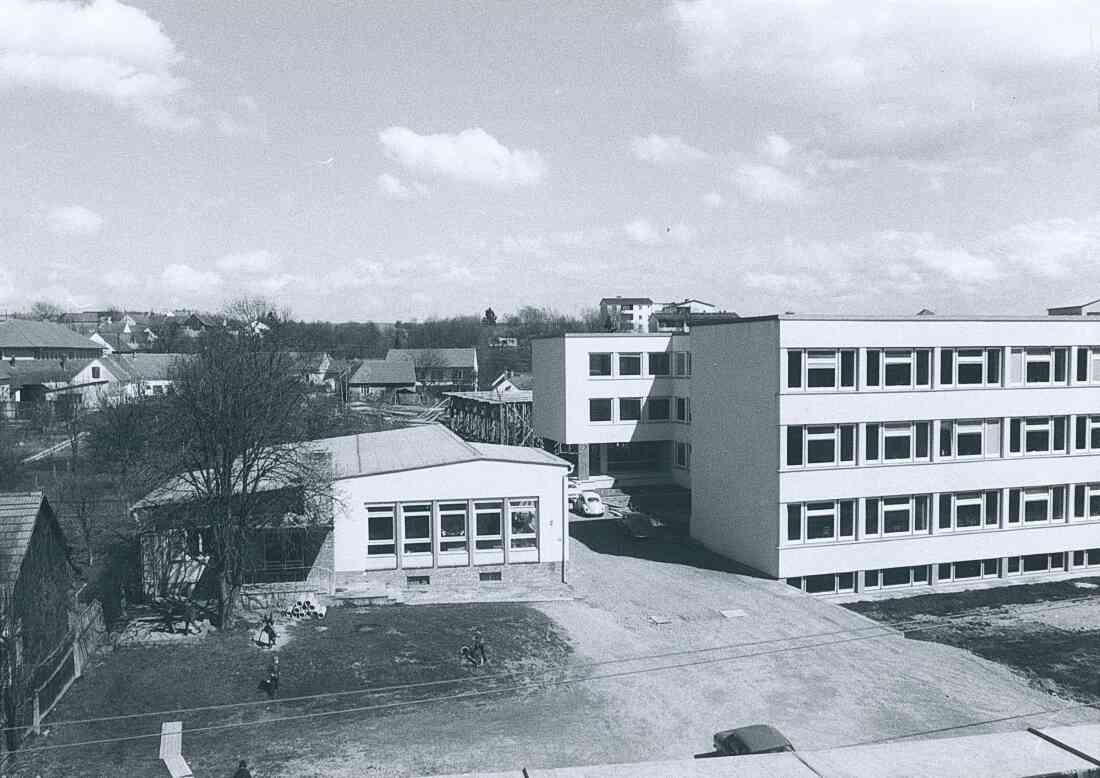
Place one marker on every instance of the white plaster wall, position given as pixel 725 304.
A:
pixel 735 457
pixel 467 480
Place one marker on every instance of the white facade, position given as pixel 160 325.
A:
pixel 474 514
pixel 628 314
pixel 622 399
pixel 850 454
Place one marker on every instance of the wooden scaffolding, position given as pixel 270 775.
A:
pixel 493 417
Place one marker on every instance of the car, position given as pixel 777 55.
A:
pixel 637 525
pixel 588 504
pixel 753 739
pixel 572 490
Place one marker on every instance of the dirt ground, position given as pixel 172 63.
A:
pixel 663 645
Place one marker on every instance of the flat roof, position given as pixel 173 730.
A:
pixel 926 318
pixel 494 397
pixel 614 335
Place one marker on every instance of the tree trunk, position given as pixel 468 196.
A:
pixel 227 600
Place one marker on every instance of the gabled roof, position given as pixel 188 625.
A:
pixel 518 380
pixel 25 333
pixel 384 372
pixel 34 372
pixel 307 361
pixel 436 357
pixel 626 300
pixel 143 367
pixel 18 515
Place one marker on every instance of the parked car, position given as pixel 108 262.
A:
pixel 753 739
pixel 588 504
pixel 637 525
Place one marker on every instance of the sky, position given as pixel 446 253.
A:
pixel 381 161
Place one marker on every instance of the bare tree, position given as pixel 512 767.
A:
pixel 45 310
pixel 234 435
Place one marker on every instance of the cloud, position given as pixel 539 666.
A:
pixel 1049 248
pixel 74 220
pixel 665 150
pixel 472 156
pixel 640 231
pixel 120 279
pixel 105 49
pixel 764 183
pixel 712 200
pixel 396 189
pixel 776 148
pixel 184 280
pixel 249 262
pixel 926 77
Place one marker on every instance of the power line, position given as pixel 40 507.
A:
pixel 544 684
pixel 911 625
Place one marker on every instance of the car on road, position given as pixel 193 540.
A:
pixel 588 504
pixel 637 525
pixel 753 739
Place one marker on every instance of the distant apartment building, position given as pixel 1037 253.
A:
pixel 850 454
pixel 617 405
pixel 626 314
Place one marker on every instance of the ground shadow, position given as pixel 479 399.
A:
pixel 605 536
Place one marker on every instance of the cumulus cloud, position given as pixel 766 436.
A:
pixel 923 76
pixel 105 49
pixel 183 280
pixel 396 189
pixel 665 150
pixel 765 183
pixel 472 156
pixel 74 220
pixel 640 231
pixel 249 262
pixel 712 200
pixel 776 148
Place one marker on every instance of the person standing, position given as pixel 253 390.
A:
pixel 242 770
pixel 478 652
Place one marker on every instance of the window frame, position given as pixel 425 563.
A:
pixel 844 380
pixel 527 540
pixel 620 356
pixel 667 355
pixel 610 410
pixel 880 431
pixel 619 410
pixel 876 508
pixel 880 360
pixel 843 515
pixel 417 540
pixel 610 364
pixel 485 507
pixel 391 541
pixel 835 433
pixel 648 404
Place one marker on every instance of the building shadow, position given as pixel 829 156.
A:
pixel 670 545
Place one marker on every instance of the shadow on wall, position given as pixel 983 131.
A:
pixel 605 536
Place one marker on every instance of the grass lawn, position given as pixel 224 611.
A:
pixel 350 649
pixel 1005 625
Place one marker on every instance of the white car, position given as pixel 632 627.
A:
pixel 588 504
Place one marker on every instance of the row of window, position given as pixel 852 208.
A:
pixel 683 456
pixel 823 445
pixel 615 409
pixel 967 570
pixel 901 368
pixel 638 364
pixel 827 521
pixel 451 526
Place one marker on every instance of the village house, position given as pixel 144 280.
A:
pixel 28 339
pixel 382 379
pixel 452 367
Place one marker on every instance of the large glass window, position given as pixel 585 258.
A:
pixel 896 515
pixel 970 366
pixel 898 368
pixel 660 363
pixel 489 524
pixel 897 441
pixel 599 365
pixel 968 510
pixel 523 515
pixel 630 364
pixel 599 409
pixel 820 521
pixel 820 445
pixel 1038 366
pixel 630 409
pixel 417 524
pixel 1037 506
pixel 452 526
pixel 1086 501
pixel 1087 433
pixel 970 438
pixel 1037 435
pixel 380 535
pixel 893 577
pixel 658 409
pixel 820 369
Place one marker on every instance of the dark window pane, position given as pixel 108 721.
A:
pixel 1094 435
pixel 1082 364
pixel 920 512
pixel 819 526
pixel 970 444
pixel 1037 440
pixel 899 375
pixel 944 572
pixel 599 410
pixel 1058 506
pixel 380 527
pixel 873 358
pixel 970 373
pixel 1014 564
pixel 969 569
pixel 991 567
pixel 1060 433
pixel 896 576
pixel 923 373
pixel 660 363
pixel 870 578
pixel 794 369
pixel 630 409
pixel 847 368
pixel 794 522
pixel 920 574
pixel 847 518
pixel 847 443
pixel 821 377
pixel 945 511
pixel 946 364
pixel 992 514
pixel 794 446
pixel 993 366
pixel 820 451
pixel 897 447
pixel 820 584
pixel 872 442
pixel 946 434
pixel 1034 563
pixel 1038 372
pixel 1014 435
pixel 1079 500
pixel 845 582
pixel 870 516
pixel 922 429
pixel 895 519
pixel 630 364
pixel 1081 441
pixel 599 364
pixel 968 515
pixel 1014 505
pixel 1036 510
pixel 1059 364
pixel 1078 558
pixel 1057 561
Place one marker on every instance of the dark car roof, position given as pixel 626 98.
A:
pixel 758 737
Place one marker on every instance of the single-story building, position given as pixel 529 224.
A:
pixel 410 507
pixel 125 377
pixel 381 379
pixel 29 339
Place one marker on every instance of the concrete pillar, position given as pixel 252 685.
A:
pixel 583 465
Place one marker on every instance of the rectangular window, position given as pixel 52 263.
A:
pixel 452 526
pixel 1082 373
pixel 682 368
pixel 1039 434
pixel 1037 366
pixel 630 409
pixel 488 525
pixel 658 409
pixel 95 372
pixel 847 369
pixel 871 436
pixel 794 446
pixel 992 508
pixel 794 523
pixel 870 516
pixel 1037 503
pixel 897 441
pixel 821 369
pixel 794 369
pixel 897 515
pixel 630 364
pixel 683 409
pixel 683 457
pixel 599 409
pixel 924 373
pixel 524 522
pixel 970 367
pixel 380 530
pixel 820 521
pixel 1087 434
pixel 417 523
pixel 821 444
pixel 873 369
pixel 993 366
pixel 898 368
pixel 599 365
pixel 660 363
pixel 947 366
